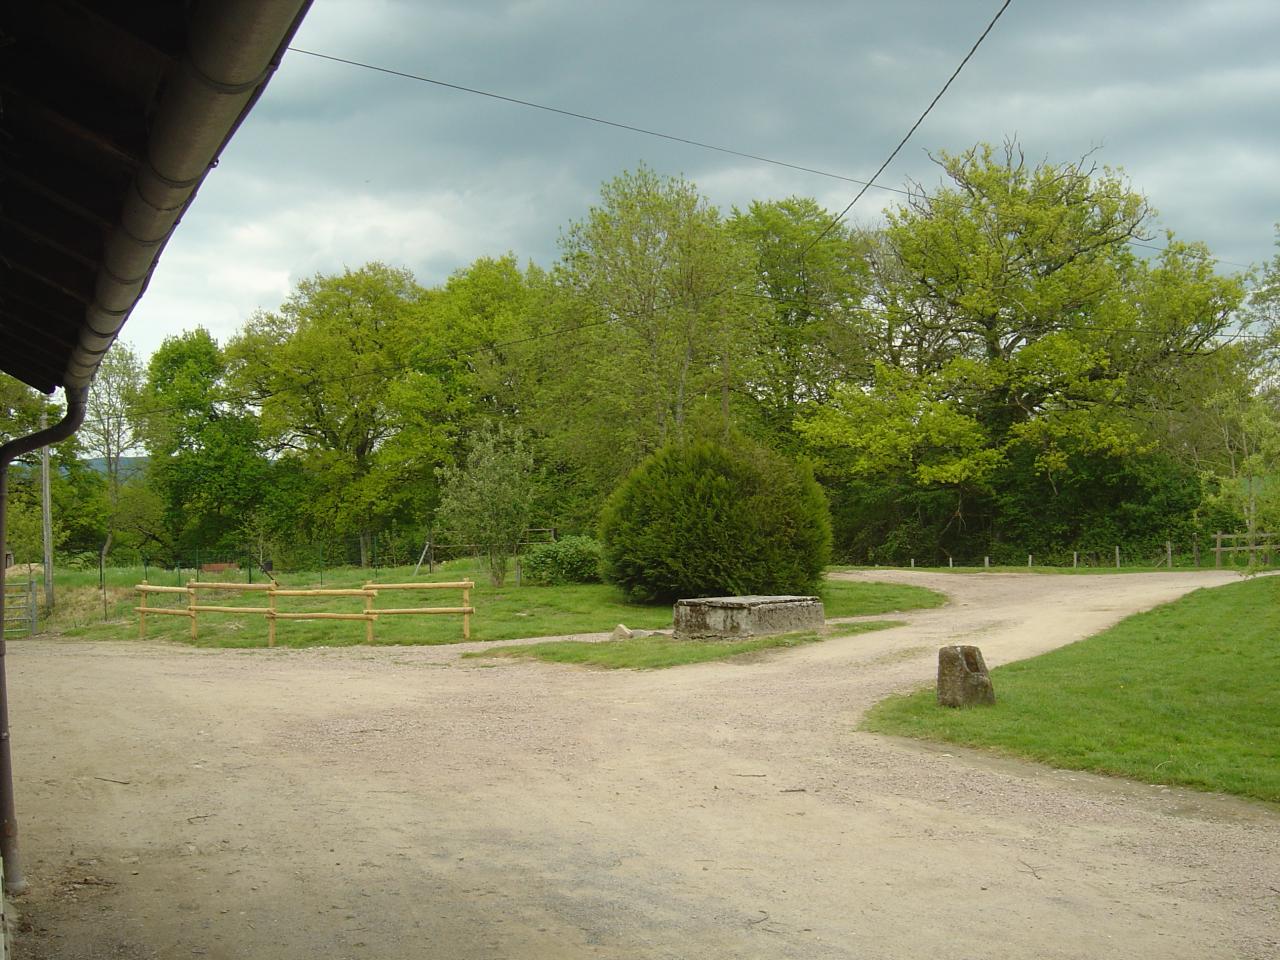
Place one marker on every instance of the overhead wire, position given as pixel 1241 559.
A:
pixel 700 144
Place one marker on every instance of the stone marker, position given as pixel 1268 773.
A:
pixel 963 680
pixel 710 618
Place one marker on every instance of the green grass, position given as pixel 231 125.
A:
pixel 505 613
pixel 659 652
pixel 1184 694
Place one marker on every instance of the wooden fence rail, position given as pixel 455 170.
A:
pixel 369 592
pixel 1265 543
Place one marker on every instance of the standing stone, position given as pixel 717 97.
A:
pixel 963 680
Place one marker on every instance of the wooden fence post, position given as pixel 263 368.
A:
pixel 1217 550
pixel 1117 556
pixel 191 607
pixel 466 617
pixel 271 616
pixel 986 563
pixel 368 612
pixel 142 616
pixel 1075 558
pixel 1195 552
pixel 1028 560
pixel 1168 553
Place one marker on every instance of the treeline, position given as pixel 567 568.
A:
pixel 997 370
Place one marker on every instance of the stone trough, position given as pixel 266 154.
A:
pixel 714 618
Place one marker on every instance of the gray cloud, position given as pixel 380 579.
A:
pixel 338 166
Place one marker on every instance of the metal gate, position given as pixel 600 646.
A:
pixel 20 613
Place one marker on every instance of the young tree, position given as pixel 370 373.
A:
pixel 110 430
pixel 489 500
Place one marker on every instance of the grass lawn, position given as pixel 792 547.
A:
pixel 654 653
pixel 502 613
pixel 1188 693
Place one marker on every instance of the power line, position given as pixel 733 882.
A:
pixel 702 144
pixel 903 142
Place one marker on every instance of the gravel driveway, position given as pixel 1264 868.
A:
pixel 397 803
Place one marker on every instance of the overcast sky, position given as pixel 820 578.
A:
pixel 338 166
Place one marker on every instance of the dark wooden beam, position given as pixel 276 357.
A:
pixel 50 268
pixel 51 225
pixel 85 191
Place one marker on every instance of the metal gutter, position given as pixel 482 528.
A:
pixel 235 47
pixel 69 424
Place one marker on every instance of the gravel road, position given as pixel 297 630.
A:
pixel 397 803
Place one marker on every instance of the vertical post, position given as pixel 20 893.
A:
pixel 466 617
pixel 13 879
pixel 142 614
pixel 46 520
pixel 913 563
pixel 33 614
pixel 1028 561
pixel 1168 553
pixel 986 563
pixel 1117 556
pixel 951 562
pixel 368 612
pixel 271 615
pixel 191 607
pixel 431 552
pixel 1217 550
pixel 1195 551
pixel 1075 559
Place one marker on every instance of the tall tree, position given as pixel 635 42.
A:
pixel 110 430
pixel 652 284
pixel 346 374
pixel 1019 337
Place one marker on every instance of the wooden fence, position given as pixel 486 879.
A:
pixel 1263 543
pixel 369 614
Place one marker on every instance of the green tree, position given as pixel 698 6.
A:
pixel 1020 340
pixel 347 377
pixel 488 501
pixel 653 285
pixel 110 429
pixel 205 457
pixel 811 279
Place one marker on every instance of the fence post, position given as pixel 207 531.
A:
pixel 1028 560
pixel 913 563
pixel 142 615
pixel 1117 556
pixel 1195 552
pixel 368 612
pixel 271 616
pixel 191 607
pixel 1217 550
pixel 986 563
pixel 1168 553
pixel 951 562
pixel 466 617
pixel 1075 559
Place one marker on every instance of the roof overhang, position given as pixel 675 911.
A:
pixel 111 115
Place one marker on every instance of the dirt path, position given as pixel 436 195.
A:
pixel 402 803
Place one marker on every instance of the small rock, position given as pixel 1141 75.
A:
pixel 622 632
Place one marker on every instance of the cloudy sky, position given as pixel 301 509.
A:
pixel 338 165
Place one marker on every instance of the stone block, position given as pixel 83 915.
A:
pixel 963 679
pixel 711 618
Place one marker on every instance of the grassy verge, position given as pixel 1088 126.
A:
pixel 1073 571
pixel 658 652
pixel 1183 694
pixel 502 613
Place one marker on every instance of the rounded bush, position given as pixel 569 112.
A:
pixel 570 560
pixel 707 519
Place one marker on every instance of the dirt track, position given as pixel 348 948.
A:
pixel 401 803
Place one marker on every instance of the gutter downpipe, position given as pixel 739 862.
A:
pixel 76 399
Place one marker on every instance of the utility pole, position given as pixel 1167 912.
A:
pixel 46 509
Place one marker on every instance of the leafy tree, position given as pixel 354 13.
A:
pixel 489 500
pixel 812 279
pixel 1019 339
pixel 334 374
pixel 110 430
pixel 206 462
pixel 653 283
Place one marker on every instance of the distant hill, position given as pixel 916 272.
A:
pixel 128 465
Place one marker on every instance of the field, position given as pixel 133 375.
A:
pixel 502 613
pixel 1183 694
